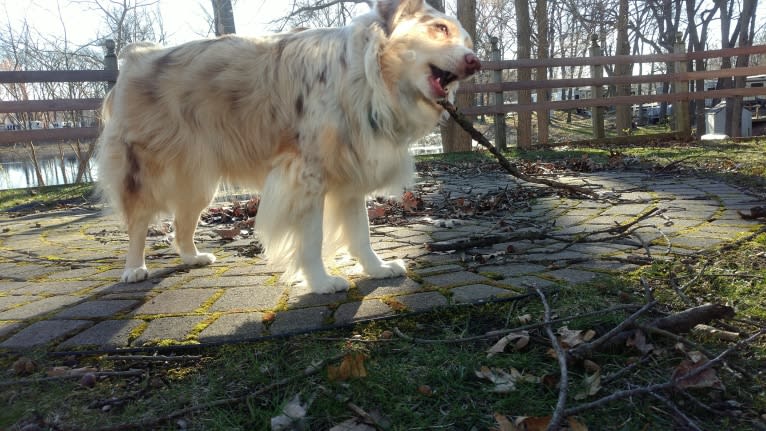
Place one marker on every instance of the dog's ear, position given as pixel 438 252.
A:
pixel 392 11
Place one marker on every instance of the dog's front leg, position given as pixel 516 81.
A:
pixel 289 221
pixel 351 214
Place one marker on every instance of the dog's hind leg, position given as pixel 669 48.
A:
pixel 187 212
pixel 348 216
pixel 135 266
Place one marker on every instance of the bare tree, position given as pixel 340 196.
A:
pixel 543 115
pixel 128 21
pixel 523 27
pixel 623 112
pixel 323 13
pixel 454 138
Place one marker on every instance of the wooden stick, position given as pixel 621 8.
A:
pixel 504 162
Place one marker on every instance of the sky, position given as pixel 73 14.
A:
pixel 183 19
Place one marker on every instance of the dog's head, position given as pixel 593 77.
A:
pixel 433 51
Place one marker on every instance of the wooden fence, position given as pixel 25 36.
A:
pixel 680 77
pixel 108 75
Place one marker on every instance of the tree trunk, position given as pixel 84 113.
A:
pixel 223 14
pixel 544 95
pixel 36 164
pixel 745 39
pixel 524 37
pixel 624 116
pixel 454 138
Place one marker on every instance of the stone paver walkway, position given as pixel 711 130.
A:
pixel 59 270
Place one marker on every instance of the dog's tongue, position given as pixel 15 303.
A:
pixel 436 85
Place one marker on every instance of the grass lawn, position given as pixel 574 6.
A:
pixel 376 376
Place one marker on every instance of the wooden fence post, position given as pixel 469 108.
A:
pixel 500 142
pixel 597 71
pixel 110 61
pixel 681 107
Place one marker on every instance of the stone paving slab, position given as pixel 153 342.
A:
pixel 59 270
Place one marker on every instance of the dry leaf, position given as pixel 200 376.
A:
pixel 410 202
pixel 705 379
pixel 376 212
pixel 519 340
pixel 591 366
pixel 292 415
pixel 503 423
pixel 575 425
pixel 570 337
pixel 352 366
pixel 396 305
pixel 228 233
pixel 504 381
pixel 638 340
pixel 592 386
pixel 524 319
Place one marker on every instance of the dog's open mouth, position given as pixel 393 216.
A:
pixel 439 79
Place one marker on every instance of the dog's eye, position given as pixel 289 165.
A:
pixel 442 29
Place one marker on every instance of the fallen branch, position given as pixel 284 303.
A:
pixel 561 356
pixel 502 332
pixel 684 421
pixel 151 423
pixel 619 230
pixel 77 375
pixel 505 163
pixel 645 390
pixel 152 358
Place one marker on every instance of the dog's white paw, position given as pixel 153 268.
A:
pixel 389 269
pixel 133 275
pixel 330 284
pixel 199 259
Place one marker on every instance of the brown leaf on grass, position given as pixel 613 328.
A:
pixel 570 337
pixel 526 318
pixel 396 305
pixel 592 385
pixel 591 366
pixel 425 390
pixel 411 203
pixel 638 340
pixel 503 424
pixel 351 367
pixel 519 340
pixel 705 379
pixel 504 381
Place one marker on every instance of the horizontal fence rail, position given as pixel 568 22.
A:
pixel 500 107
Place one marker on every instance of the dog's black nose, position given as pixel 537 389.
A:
pixel 472 64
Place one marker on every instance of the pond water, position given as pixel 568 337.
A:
pixel 20 174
